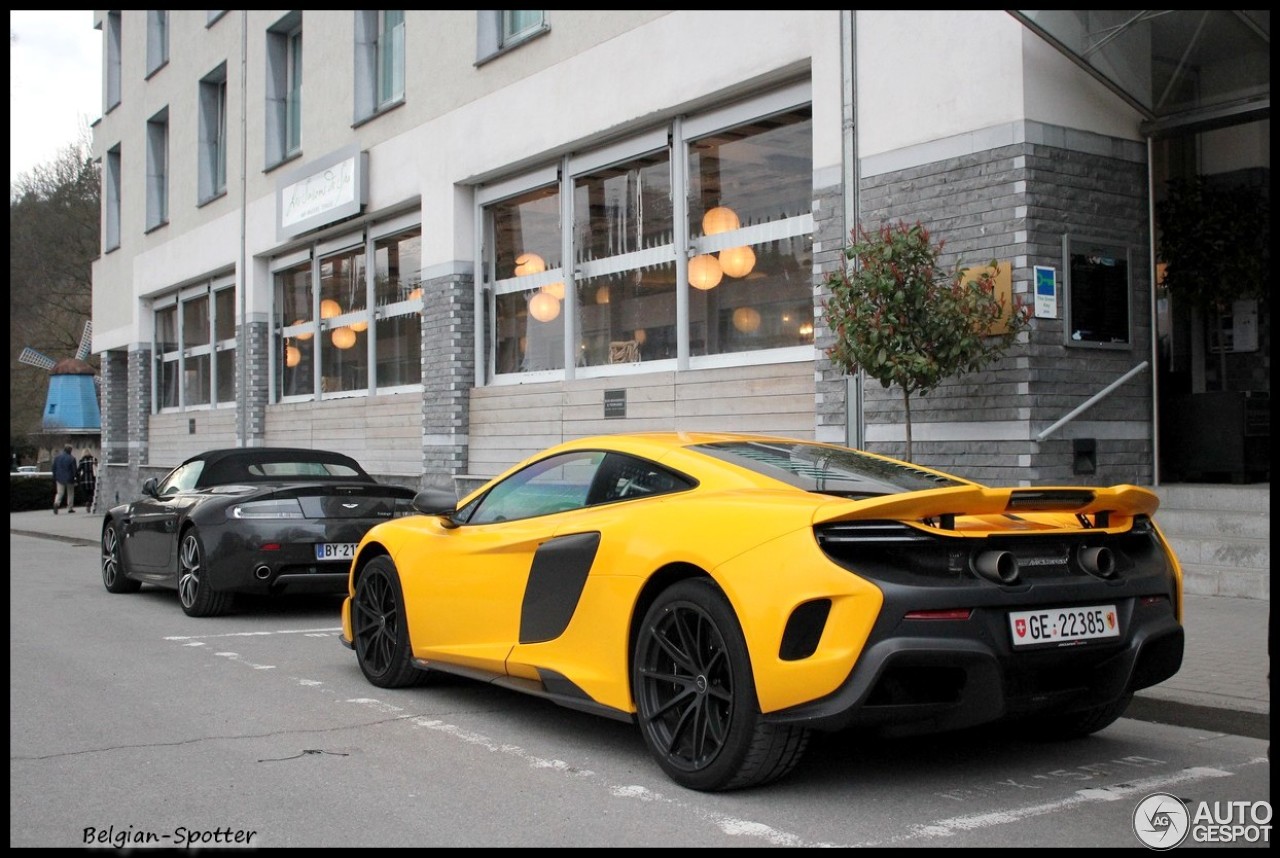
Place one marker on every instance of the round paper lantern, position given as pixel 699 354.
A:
pixel 602 295
pixel 359 327
pixel 330 308
pixel 416 294
pixel 306 336
pixel 555 290
pixel 737 261
pixel 544 307
pixel 343 338
pixel 746 319
pixel 640 336
pixel 530 263
pixel 292 356
pixel 704 272
pixel 719 219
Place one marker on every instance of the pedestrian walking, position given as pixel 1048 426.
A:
pixel 64 477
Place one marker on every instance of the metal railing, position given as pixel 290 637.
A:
pixel 1092 401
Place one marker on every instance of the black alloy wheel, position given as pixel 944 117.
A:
pixel 196 594
pixel 696 699
pixel 380 628
pixel 113 577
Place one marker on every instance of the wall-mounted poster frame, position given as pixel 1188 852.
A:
pixel 1099 293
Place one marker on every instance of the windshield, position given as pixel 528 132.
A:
pixel 827 469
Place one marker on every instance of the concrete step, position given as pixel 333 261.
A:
pixel 1222 536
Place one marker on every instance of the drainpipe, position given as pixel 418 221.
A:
pixel 1155 324
pixel 854 430
pixel 242 281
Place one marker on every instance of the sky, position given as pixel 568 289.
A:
pixel 55 84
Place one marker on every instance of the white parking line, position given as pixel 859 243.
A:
pixel 330 631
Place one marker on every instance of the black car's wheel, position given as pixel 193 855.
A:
pixel 197 596
pixel 1073 725
pixel 381 629
pixel 696 697
pixel 113 577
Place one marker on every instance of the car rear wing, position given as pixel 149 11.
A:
pixel 1095 504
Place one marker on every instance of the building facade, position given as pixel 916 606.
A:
pixel 442 240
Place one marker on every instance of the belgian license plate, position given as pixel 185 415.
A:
pixel 335 550
pixel 1064 625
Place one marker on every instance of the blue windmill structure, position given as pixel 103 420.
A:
pixel 71 408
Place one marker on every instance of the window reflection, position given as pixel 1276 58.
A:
pixel 623 208
pixel 769 308
pixel 628 317
pixel 295 369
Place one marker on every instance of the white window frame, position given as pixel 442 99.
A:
pixel 366 240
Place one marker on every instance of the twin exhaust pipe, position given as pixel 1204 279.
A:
pixel 1001 567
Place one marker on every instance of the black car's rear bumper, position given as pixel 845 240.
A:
pixel 928 675
pixel 270 559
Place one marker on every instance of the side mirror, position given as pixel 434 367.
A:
pixel 437 502
pixel 149 488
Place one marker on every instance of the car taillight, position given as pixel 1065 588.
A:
pixel 274 508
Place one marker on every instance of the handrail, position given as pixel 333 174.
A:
pixel 1092 401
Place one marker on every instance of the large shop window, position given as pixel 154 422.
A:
pixel 659 279
pixel 195 347
pixel 365 314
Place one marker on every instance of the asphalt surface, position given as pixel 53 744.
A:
pixel 1224 684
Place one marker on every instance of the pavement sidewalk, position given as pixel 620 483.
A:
pixel 1222 686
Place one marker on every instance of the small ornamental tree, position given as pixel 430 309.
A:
pixel 900 318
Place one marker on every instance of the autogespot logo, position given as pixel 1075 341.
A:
pixel 1161 821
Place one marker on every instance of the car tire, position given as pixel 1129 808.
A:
pixel 380 628
pixel 696 699
pixel 1074 725
pixel 195 592
pixel 113 574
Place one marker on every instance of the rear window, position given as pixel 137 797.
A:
pixel 836 471
pixel 301 469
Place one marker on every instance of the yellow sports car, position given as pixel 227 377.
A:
pixel 732 593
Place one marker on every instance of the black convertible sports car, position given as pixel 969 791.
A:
pixel 262 520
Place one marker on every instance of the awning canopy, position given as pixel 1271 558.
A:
pixel 1184 70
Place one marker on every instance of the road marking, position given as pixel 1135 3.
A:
pixel 977 821
pixel 333 630
pixel 235 656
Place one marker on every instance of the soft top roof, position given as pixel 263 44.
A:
pixel 252 464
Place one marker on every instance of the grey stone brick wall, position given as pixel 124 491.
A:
pixel 1014 204
pixel 126 417
pixel 831 385
pixel 252 402
pixel 448 374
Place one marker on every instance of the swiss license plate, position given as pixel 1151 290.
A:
pixel 335 550
pixel 1064 625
